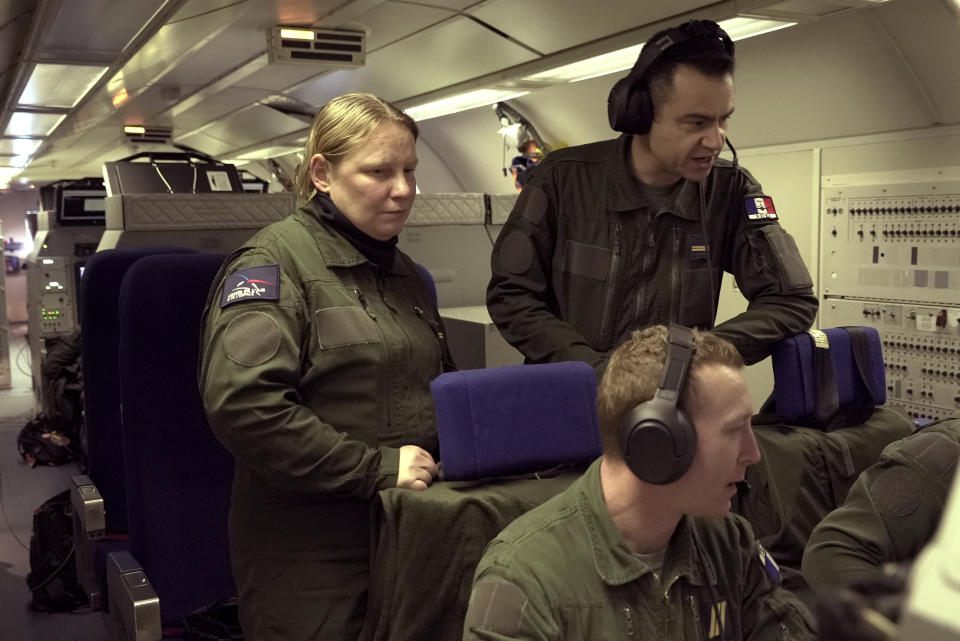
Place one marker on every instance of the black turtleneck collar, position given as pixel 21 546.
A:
pixel 379 252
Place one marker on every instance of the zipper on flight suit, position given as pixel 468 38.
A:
pixel 434 327
pixel 363 303
pixel 384 383
pixel 666 607
pixel 696 616
pixel 648 257
pixel 628 615
pixel 675 277
pixel 611 282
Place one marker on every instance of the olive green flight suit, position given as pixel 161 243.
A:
pixel 313 383
pixel 563 572
pixel 583 260
pixel 891 511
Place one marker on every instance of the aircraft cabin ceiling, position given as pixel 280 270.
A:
pixel 75 72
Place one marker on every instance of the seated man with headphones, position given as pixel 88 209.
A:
pixel 643 545
pixel 613 236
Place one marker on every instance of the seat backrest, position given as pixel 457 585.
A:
pixel 820 374
pixel 516 419
pixel 178 475
pixel 428 282
pixel 102 277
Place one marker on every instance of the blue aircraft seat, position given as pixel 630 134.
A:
pixel 510 438
pixel 178 475
pixel 821 374
pixel 99 497
pixel 516 419
pixel 103 274
pixel 428 281
pixel 829 378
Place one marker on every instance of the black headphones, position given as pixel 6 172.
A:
pixel 657 438
pixel 629 106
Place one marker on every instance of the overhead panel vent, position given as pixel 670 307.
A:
pixel 338 48
pixel 142 134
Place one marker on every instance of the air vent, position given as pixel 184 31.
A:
pixel 138 133
pixel 337 48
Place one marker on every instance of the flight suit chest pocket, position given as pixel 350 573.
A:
pixel 588 261
pixel 342 326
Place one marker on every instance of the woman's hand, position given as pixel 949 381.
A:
pixel 417 468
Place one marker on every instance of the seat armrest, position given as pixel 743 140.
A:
pixel 89 526
pixel 134 605
pixel 88 506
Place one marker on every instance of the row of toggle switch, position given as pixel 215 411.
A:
pixel 881 211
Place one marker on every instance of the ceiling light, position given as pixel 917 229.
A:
pixel 297 34
pixel 623 59
pixel 27 123
pixel 19 146
pixel 6 173
pixel 741 28
pixel 461 102
pixel 120 97
pixel 263 153
pixel 601 65
pixel 14 161
pixel 58 85
pixel 134 129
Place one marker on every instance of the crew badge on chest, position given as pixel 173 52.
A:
pixel 251 283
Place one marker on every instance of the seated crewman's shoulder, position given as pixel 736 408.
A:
pixel 533 541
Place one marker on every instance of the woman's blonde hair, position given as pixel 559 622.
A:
pixel 340 126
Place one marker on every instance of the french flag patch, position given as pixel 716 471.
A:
pixel 760 208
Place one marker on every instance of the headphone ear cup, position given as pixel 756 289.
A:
pixel 641 109
pixel 629 109
pixel 658 442
pixel 617 103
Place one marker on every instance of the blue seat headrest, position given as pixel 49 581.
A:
pixel 804 364
pixel 516 419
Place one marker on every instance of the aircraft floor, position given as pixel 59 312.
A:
pixel 22 490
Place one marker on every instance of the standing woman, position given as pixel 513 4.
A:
pixel 320 341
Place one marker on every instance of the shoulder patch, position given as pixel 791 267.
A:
pixel 771 567
pixel 251 283
pixel 896 491
pixel 497 606
pixel 759 209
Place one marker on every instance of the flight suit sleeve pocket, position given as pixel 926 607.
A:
pixel 794 275
pixel 340 326
pixel 584 260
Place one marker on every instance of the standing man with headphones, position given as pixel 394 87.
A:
pixel 643 546
pixel 614 236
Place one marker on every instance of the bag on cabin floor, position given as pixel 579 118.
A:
pixel 219 621
pixel 41 442
pixel 53 568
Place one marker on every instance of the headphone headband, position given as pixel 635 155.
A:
pixel 675 368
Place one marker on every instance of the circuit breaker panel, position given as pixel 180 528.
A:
pixel 891 259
